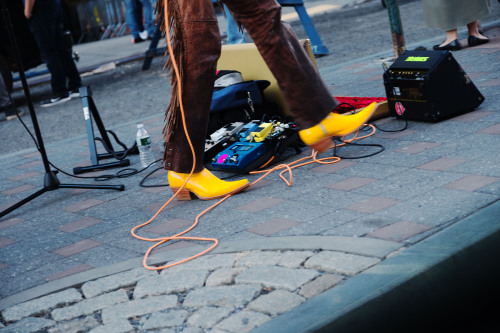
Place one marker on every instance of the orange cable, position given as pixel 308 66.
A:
pixel 287 168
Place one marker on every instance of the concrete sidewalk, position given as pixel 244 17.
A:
pixel 351 244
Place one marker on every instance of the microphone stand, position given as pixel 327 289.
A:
pixel 50 181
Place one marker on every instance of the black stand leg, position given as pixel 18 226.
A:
pixel 153 49
pixel 50 182
pixel 90 112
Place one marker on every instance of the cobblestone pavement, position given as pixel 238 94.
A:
pixel 341 236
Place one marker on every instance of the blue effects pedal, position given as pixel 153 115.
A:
pixel 238 156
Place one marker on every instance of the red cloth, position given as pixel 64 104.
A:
pixel 356 102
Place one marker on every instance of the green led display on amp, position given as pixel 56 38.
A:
pixel 417 59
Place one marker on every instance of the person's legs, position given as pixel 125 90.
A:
pixel 147 11
pixel 234 34
pixel 65 56
pixel 305 92
pixel 131 19
pixel 196 51
pixel 43 27
pixel 473 29
pixel 197 48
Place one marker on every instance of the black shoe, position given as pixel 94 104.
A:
pixel 475 41
pixel 55 101
pixel 451 46
pixel 74 93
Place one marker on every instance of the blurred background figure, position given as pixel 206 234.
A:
pixel 45 18
pixel 234 34
pixel 449 15
pixel 140 20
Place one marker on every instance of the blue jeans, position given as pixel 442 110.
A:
pixel 136 11
pixel 46 24
pixel 234 34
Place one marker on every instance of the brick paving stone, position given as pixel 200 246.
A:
pixel 276 302
pixel 320 285
pixel 29 165
pixel 276 277
pixel 41 305
pixel 494 130
pixel 80 325
pixel 79 206
pixel 171 318
pixel 28 325
pixel 471 116
pixel 273 226
pixel 260 204
pixel 208 316
pixel 166 227
pixel 138 307
pixel 18 189
pixel 290 259
pixel 372 205
pixel 24 176
pixel 222 296
pixel 399 231
pixel 442 164
pixel 242 322
pixel 352 183
pixel 77 247
pixel 209 262
pixel 331 168
pixel 4 241
pixel 471 183
pixel 170 283
pixel 341 263
pixel 116 281
pixel 80 224
pixel 89 306
pixel 417 148
pixel 223 276
pixel 10 222
pixel 71 271
pixel 119 325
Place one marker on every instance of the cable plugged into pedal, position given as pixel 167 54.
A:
pixel 243 148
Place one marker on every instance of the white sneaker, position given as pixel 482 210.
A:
pixel 144 34
pixel 54 101
pixel 74 93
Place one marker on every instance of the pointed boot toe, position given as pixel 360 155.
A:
pixel 318 136
pixel 204 185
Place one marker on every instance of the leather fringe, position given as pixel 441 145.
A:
pixel 176 38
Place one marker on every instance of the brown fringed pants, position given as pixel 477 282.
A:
pixel 197 43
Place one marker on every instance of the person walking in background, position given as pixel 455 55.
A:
pixel 235 35
pixel 45 18
pixel 139 17
pixel 448 15
pixel 7 107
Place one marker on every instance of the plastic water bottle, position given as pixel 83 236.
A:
pixel 144 144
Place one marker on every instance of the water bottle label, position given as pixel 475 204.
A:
pixel 145 141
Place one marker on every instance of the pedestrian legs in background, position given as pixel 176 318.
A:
pixel 140 20
pixel 46 24
pixel 7 107
pixel 234 34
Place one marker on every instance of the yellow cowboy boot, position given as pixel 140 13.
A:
pixel 318 136
pixel 204 185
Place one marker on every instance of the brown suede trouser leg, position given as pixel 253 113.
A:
pixel 197 34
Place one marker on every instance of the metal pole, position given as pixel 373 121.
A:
pixel 398 39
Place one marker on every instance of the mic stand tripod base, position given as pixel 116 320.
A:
pixel 51 182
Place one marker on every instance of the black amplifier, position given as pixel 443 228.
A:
pixel 429 86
